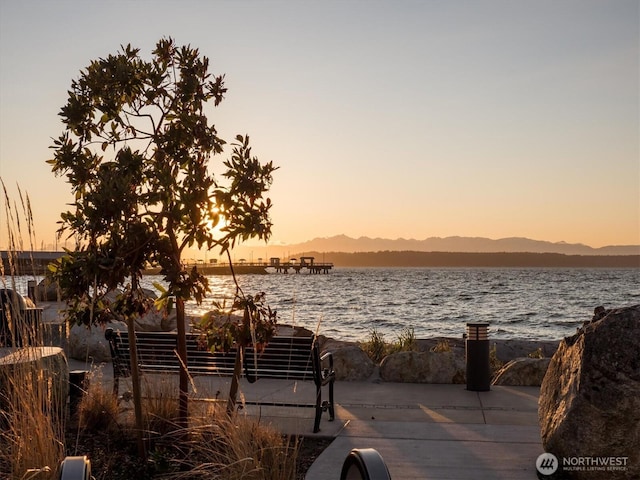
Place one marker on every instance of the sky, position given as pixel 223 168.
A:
pixel 392 119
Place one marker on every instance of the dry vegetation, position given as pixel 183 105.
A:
pixel 377 347
pixel 214 446
pixel 32 401
pixel 37 430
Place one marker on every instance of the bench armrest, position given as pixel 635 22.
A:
pixel 328 374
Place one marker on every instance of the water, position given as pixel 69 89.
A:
pixel 518 303
pixel 523 303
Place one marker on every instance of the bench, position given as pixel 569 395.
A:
pixel 288 358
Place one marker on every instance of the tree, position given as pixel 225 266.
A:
pixel 136 151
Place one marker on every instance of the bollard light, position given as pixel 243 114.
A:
pixel 477 356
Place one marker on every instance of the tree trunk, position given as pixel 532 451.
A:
pixel 135 385
pixel 233 390
pixel 135 377
pixel 237 367
pixel 183 411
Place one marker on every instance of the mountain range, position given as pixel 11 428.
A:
pixel 345 244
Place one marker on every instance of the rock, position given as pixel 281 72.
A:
pixel 506 349
pixel 589 402
pixel 423 367
pixel 510 349
pixel 86 343
pixel 522 372
pixel 47 291
pixel 293 331
pixel 351 363
pixel 52 312
pixel 155 321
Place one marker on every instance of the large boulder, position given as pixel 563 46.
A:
pixel 156 321
pixel 511 349
pixel 153 320
pixel 47 291
pixel 505 349
pixel 589 404
pixel 350 362
pixel 423 367
pixel 88 343
pixel 522 372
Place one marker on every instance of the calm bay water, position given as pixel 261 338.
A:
pixel 531 303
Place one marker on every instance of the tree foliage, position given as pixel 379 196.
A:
pixel 136 151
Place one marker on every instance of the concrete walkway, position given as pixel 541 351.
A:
pixel 423 431
pixel 437 431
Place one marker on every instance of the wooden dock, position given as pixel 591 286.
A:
pixel 307 263
pixel 284 267
pixel 275 264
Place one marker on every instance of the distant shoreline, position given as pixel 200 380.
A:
pixel 474 259
pixel 36 262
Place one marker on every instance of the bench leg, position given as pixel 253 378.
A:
pixel 316 423
pixel 116 386
pixel 332 412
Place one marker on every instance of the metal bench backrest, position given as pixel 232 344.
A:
pixel 283 357
pixel 291 358
pixel 157 353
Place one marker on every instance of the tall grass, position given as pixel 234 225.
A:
pixel 219 446
pixel 34 418
pixel 234 448
pixel 32 396
pixel 377 347
pixel 216 446
pixel 98 408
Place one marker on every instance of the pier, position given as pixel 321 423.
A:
pixel 36 262
pixel 307 263
pixel 275 264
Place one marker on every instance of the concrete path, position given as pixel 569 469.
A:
pixel 423 431
pixel 437 431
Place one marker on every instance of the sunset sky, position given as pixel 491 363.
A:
pixel 387 119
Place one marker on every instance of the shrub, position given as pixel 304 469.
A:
pixel 98 408
pixel 375 347
pixel 537 353
pixel 234 448
pixel 441 346
pixel 160 405
pixel 406 341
